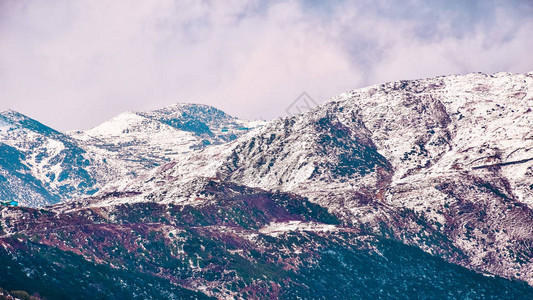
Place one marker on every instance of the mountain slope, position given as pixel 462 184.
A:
pixel 441 163
pixel 42 166
pixel 16 180
pixel 238 242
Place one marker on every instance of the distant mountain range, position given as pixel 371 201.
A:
pixel 409 189
pixel 41 166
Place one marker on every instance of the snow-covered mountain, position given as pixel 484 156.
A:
pixel 382 191
pixel 148 139
pixel 444 163
pixel 41 166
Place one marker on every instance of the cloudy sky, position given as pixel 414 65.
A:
pixel 74 64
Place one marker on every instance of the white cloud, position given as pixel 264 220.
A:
pixel 73 64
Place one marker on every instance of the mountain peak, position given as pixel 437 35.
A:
pixel 14 115
pixel 20 120
pixel 188 111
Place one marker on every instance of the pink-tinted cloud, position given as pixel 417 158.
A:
pixel 74 64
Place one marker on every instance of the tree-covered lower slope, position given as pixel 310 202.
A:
pixel 237 242
pixel 57 274
pixel 335 270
